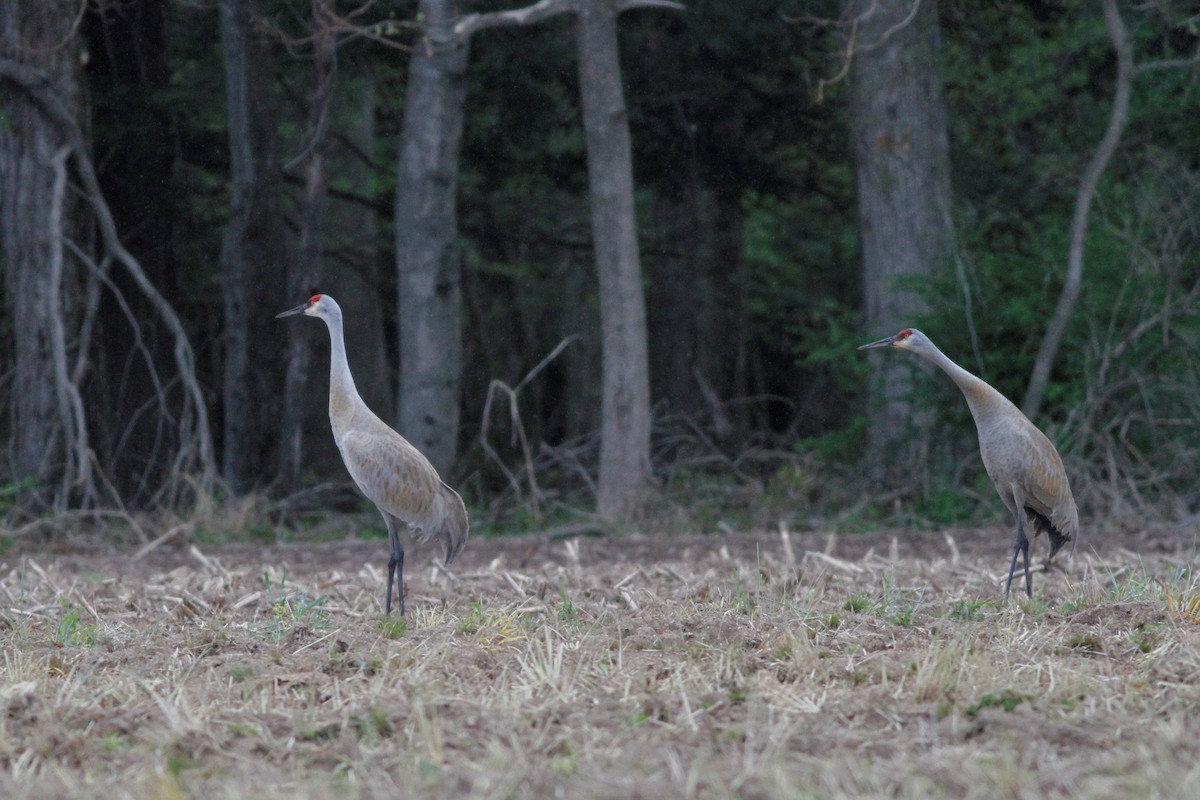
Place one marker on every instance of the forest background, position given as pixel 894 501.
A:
pixel 597 284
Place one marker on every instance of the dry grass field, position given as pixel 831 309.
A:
pixel 870 665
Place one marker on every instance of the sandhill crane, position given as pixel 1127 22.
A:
pixel 393 474
pixel 1022 463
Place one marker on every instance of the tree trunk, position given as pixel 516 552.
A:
pixel 625 425
pixel 37 33
pixel 252 256
pixel 428 254
pixel 902 161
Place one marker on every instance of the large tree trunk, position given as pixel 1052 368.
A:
pixel 252 256
pixel 901 154
pixel 37 33
pixel 625 426
pixel 428 254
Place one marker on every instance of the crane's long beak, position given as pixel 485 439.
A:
pixel 292 311
pixel 888 342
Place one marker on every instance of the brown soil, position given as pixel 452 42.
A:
pixel 884 664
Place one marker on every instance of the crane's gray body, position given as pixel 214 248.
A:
pixel 1023 464
pixel 397 477
pixel 393 474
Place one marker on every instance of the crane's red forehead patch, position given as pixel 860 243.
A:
pixel 904 334
pixel 316 298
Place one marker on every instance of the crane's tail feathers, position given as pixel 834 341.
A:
pixel 1057 538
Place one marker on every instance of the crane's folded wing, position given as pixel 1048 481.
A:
pixel 397 478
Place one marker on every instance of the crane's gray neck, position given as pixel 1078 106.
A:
pixel 342 392
pixel 973 388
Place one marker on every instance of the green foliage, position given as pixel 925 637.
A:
pixel 299 613
pixel 373 725
pixel 970 610
pixel 858 603
pixel 71 631
pixel 1007 700
pixel 9 492
pixel 567 612
pixel 240 672
pixel 393 627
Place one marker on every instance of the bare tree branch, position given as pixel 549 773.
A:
pixel 195 441
pixel 77 472
pixel 1118 119
pixel 468 24
pixel 852 44
pixel 530 15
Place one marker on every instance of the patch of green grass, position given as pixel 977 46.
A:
pixel 179 760
pixel 1074 606
pixel 567 612
pixel 374 724
pixel 564 766
pixel 113 743
pixel 496 627
pixel 324 733
pixel 393 627
pixel 1088 642
pixel 1035 607
pixel 71 632
pixel 241 672
pixel 1135 586
pixel 742 601
pixel 890 605
pixel 299 612
pixel 242 729
pixel 969 610
pixel 1008 700
pixel 473 621
pixel 1147 636
pixel 639 719
pixel 858 603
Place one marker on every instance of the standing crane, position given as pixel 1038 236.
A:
pixel 1022 463
pixel 393 474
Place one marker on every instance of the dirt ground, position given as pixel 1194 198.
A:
pixel 755 665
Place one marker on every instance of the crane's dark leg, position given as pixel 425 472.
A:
pixel 395 566
pixel 1020 547
pixel 1028 574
